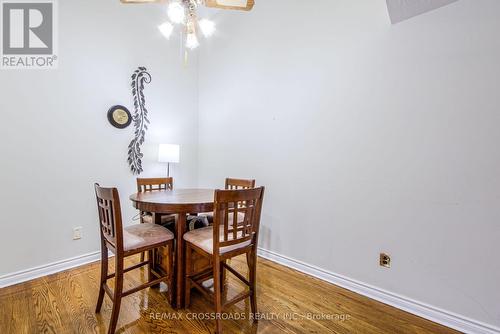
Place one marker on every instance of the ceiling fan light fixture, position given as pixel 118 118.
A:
pixel 185 14
pixel 207 27
pixel 166 29
pixel 176 12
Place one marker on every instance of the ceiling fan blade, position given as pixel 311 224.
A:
pixel 143 1
pixel 230 4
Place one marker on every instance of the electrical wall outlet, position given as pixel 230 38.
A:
pixel 77 233
pixel 385 260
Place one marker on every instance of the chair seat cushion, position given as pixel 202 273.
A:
pixel 147 218
pixel 203 238
pixel 144 235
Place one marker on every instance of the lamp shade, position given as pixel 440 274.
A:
pixel 169 153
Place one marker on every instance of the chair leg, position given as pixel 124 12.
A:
pixel 187 291
pixel 248 261
pixel 222 276
pixel 104 274
pixel 252 264
pixel 150 265
pixel 117 295
pixel 143 253
pixel 217 295
pixel 171 272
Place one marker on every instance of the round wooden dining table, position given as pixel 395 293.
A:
pixel 181 202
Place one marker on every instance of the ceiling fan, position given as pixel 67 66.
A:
pixel 222 4
pixel 184 12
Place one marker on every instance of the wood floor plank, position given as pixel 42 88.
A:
pixel 47 309
pixel 288 301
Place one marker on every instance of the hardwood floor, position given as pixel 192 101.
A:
pixel 289 302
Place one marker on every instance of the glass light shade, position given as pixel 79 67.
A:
pixel 207 27
pixel 166 29
pixel 176 12
pixel 192 41
pixel 169 153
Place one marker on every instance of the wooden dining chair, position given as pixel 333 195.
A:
pixel 155 184
pixel 125 242
pixel 232 184
pixel 224 240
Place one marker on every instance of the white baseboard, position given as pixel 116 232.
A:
pixel 420 309
pixel 51 268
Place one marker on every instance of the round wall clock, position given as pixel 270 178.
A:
pixel 119 117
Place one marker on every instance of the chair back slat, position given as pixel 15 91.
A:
pixel 226 225
pixel 152 184
pixel 233 184
pixel 110 217
pixel 229 205
pixel 234 228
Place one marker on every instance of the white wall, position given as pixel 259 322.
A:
pixel 56 140
pixel 369 137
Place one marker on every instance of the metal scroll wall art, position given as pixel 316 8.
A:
pixel 140 119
